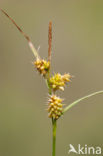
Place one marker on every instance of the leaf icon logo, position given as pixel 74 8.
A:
pixel 72 149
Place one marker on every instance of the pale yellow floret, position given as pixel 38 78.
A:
pixel 55 108
pixel 59 81
pixel 42 66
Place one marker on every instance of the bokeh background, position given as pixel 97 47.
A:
pixel 25 129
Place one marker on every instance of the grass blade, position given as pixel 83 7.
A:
pixel 83 98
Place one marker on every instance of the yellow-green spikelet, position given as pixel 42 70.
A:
pixel 59 81
pixel 42 66
pixel 55 108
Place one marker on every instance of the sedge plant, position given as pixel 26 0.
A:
pixel 54 83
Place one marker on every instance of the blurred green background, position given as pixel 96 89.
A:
pixel 25 129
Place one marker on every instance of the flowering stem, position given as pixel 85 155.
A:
pixel 54 138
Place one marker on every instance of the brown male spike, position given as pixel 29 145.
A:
pixel 49 40
pixel 27 38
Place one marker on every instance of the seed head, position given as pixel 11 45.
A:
pixel 42 66
pixel 59 81
pixel 55 107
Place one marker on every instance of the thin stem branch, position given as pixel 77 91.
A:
pixel 26 37
pixel 50 89
pixel 54 137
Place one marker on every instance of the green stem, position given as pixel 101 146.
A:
pixel 54 138
pixel 48 83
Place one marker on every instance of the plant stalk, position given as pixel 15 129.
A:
pixel 54 137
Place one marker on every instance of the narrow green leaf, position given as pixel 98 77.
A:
pixel 83 98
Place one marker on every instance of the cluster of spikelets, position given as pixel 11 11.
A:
pixel 59 81
pixel 56 82
pixel 42 66
pixel 55 107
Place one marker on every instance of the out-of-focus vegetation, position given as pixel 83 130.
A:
pixel 77 48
